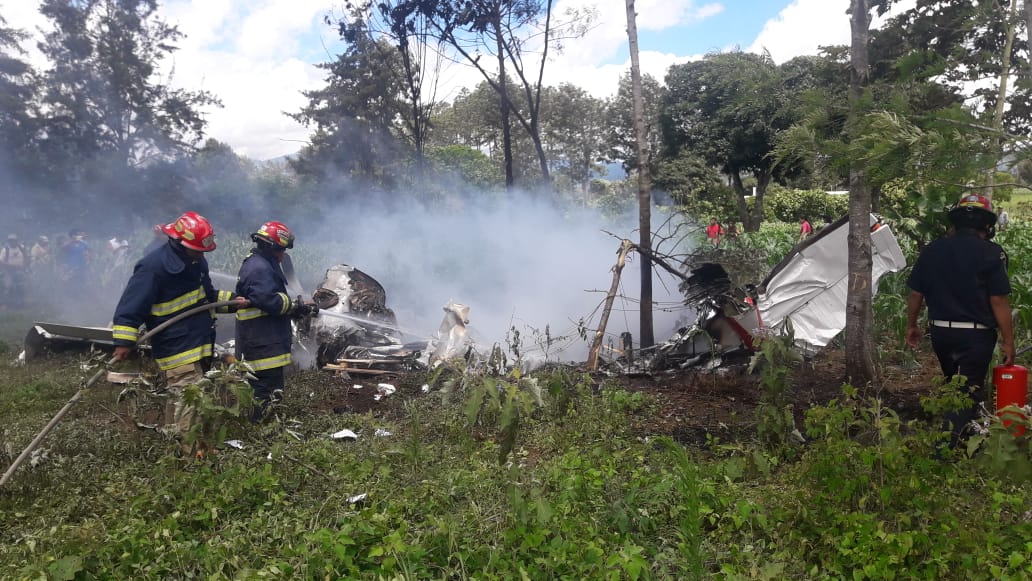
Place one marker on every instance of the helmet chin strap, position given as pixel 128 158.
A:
pixel 264 247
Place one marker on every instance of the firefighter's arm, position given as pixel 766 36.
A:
pixel 1002 314
pixel 263 293
pixel 221 295
pixel 239 302
pixel 137 299
pixel 914 302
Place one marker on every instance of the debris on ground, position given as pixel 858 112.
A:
pixel 344 434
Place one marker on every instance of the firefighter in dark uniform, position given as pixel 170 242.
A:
pixel 263 331
pixel 166 282
pixel 963 278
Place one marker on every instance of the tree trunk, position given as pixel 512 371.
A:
pixel 751 219
pixel 1028 31
pixel 859 295
pixel 503 97
pixel 647 332
pixel 417 112
pixel 1001 97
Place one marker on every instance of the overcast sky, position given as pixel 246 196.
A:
pixel 257 55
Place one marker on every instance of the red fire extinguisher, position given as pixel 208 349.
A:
pixel 1011 389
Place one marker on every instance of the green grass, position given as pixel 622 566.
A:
pixel 589 491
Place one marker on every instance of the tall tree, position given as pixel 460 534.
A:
pixel 972 48
pixel 356 117
pixel 1028 32
pixel 105 94
pixel 729 109
pixel 648 338
pixel 225 180
pixel 575 126
pixel 860 292
pixel 623 144
pixel 421 59
pixel 517 36
pixel 1010 19
pixel 17 118
pixel 474 119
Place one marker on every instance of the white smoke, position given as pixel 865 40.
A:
pixel 520 264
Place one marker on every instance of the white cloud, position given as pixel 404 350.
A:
pixel 279 26
pixel 609 34
pixel 25 16
pixel 255 95
pixel 203 21
pixel 21 14
pixel 245 55
pixel 805 25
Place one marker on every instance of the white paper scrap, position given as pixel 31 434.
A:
pixel 344 434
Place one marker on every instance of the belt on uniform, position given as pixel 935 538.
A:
pixel 958 324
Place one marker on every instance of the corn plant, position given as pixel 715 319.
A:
pixel 775 422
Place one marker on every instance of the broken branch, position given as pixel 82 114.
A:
pixel 596 343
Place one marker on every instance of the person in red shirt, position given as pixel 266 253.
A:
pixel 715 232
pixel 805 229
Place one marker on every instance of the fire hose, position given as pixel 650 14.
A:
pixel 96 376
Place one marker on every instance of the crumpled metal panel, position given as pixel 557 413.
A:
pixel 809 288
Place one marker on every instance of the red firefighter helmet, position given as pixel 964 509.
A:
pixel 975 201
pixel 193 231
pixel 974 211
pixel 275 233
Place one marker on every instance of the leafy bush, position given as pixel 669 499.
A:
pixel 817 206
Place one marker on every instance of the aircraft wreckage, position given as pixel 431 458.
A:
pixel 805 291
pixel 356 332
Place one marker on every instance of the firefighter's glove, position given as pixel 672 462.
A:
pixel 303 310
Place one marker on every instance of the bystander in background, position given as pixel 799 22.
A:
pixel 805 229
pixel 14 261
pixel 715 232
pixel 1002 220
pixel 40 254
pixel 75 259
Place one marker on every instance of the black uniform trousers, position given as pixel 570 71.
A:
pixel 967 352
pixel 266 384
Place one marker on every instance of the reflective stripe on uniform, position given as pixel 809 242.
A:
pixel 286 303
pixel 179 303
pixel 124 333
pixel 249 313
pixel 269 362
pixel 224 296
pixel 191 356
